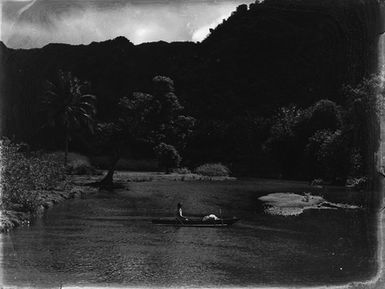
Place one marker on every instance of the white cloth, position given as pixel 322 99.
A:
pixel 210 217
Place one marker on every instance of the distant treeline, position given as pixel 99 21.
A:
pixel 263 59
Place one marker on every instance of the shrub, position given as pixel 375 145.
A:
pixel 213 170
pixel 357 183
pixel 80 167
pixel 168 156
pixel 182 171
pixel 317 182
pixel 28 201
pixel 22 176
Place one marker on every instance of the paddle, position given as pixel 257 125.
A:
pixel 181 220
pixel 220 213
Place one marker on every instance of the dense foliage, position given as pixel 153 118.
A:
pixel 239 85
pixel 150 121
pixel 326 140
pixel 157 117
pixel 24 174
pixel 66 106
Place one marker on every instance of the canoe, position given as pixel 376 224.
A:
pixel 196 222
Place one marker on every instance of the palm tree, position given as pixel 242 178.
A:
pixel 67 107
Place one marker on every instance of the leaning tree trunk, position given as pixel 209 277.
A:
pixel 108 180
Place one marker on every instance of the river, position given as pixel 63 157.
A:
pixel 108 239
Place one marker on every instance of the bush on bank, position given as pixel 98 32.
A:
pixel 213 170
pixel 80 167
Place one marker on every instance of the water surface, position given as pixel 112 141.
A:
pixel 108 239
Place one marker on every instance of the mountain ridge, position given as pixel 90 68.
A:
pixel 258 60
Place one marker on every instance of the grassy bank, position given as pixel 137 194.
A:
pixel 77 186
pixel 32 181
pixel 14 215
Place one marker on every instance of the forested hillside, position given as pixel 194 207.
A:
pixel 264 57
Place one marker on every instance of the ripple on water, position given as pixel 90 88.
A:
pixel 112 241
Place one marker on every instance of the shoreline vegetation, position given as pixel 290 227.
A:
pixel 33 181
pixel 14 216
pixel 80 186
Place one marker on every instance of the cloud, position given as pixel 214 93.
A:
pixel 26 7
pixel 202 32
pixel 170 21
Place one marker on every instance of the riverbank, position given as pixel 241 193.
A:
pixel 123 177
pixel 15 216
pixel 79 186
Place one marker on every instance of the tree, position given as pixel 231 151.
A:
pixel 314 161
pixel 168 156
pixel 334 156
pixel 363 111
pixel 150 119
pixel 109 136
pixel 325 115
pixel 67 107
pixel 282 145
pixel 297 135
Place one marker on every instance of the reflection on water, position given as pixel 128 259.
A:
pixel 109 239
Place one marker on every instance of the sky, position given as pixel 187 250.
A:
pixel 35 23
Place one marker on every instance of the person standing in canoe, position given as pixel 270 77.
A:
pixel 179 213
